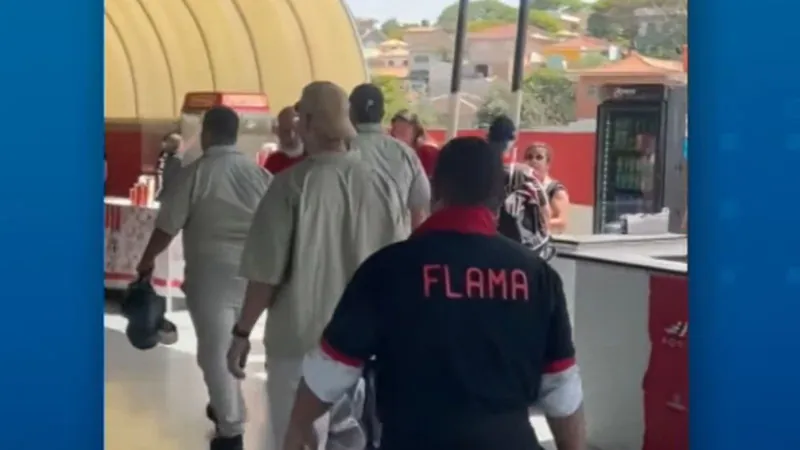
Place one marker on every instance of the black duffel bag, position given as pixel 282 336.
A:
pixel 145 311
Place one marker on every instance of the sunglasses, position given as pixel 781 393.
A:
pixel 534 157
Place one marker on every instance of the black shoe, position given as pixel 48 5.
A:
pixel 210 413
pixel 227 443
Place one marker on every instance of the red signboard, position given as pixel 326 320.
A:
pixel 202 101
pixel 666 382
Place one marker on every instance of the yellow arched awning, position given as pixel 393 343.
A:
pixel 157 50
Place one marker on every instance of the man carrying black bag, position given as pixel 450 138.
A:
pixel 145 310
pixel 467 329
pixel 211 203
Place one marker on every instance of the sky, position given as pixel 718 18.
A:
pixel 402 10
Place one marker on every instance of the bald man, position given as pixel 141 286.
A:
pixel 290 147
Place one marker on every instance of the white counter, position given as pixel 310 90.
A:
pixel 127 230
pixel 630 316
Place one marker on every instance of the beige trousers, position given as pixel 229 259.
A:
pixel 282 381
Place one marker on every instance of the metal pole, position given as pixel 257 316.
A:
pixel 458 60
pixel 519 59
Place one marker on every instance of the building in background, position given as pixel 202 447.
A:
pixel 390 59
pixel 363 25
pixel 430 40
pixel 633 69
pixel 371 36
pixel 468 108
pixel 491 51
pixel 571 51
pixel 572 24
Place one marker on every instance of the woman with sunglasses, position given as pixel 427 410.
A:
pixel 525 214
pixel 538 156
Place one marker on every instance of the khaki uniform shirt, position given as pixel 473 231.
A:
pixel 317 222
pixel 397 163
pixel 213 200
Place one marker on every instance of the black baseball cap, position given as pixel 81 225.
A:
pixel 502 129
pixel 366 103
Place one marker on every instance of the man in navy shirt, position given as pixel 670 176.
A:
pixel 468 329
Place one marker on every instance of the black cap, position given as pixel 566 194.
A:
pixel 502 129
pixel 366 103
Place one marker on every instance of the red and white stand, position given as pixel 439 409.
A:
pixel 127 230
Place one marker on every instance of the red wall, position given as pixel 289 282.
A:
pixel 573 158
pixel 132 149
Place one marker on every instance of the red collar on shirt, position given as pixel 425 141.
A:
pixel 461 219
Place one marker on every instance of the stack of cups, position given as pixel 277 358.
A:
pixel 138 194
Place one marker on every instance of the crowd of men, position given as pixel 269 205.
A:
pixel 378 257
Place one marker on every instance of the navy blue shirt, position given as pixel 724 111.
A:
pixel 462 322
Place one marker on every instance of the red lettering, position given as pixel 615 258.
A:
pixel 519 285
pixel 475 283
pixel 448 288
pixel 428 279
pixel 497 280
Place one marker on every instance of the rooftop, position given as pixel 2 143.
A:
pixel 580 43
pixel 635 64
pixel 507 31
pixel 421 30
pixel 393 43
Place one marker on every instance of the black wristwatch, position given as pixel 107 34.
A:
pixel 240 333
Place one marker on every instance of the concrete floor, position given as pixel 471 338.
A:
pixel 156 399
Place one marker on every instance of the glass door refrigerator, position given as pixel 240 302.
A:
pixel 639 152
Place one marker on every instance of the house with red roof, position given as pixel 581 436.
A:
pixel 570 51
pixel 634 68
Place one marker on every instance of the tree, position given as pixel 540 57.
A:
pixel 394 96
pixel 545 21
pixel 479 10
pixel 484 14
pixel 480 25
pixel 548 99
pixel 559 5
pixel 655 29
pixel 393 29
pixel 499 12
pixel 589 61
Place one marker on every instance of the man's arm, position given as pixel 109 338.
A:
pixel 267 253
pixel 419 195
pixel 172 217
pixel 561 392
pixel 170 174
pixel 348 341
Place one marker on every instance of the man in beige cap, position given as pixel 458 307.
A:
pixel 333 210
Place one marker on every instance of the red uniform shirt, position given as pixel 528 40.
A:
pixel 279 161
pixel 428 154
